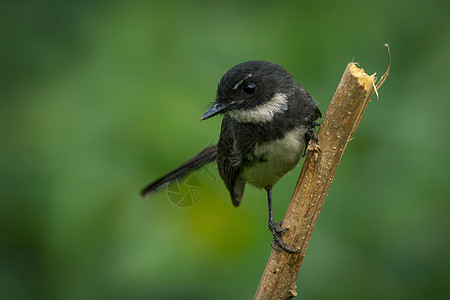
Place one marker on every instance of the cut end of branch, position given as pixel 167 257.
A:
pixel 363 79
pixel 365 82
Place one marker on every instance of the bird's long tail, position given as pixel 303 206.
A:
pixel 206 156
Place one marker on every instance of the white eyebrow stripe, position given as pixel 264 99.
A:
pixel 264 112
pixel 237 85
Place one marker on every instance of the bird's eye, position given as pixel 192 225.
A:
pixel 249 88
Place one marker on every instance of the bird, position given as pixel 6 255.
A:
pixel 268 121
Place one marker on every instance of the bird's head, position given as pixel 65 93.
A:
pixel 252 91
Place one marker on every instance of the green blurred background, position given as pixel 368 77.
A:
pixel 100 97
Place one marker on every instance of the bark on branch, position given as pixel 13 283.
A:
pixel 340 122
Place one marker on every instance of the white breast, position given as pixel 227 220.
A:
pixel 280 157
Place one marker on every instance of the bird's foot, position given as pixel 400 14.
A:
pixel 311 134
pixel 277 243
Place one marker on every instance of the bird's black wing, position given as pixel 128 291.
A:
pixel 228 161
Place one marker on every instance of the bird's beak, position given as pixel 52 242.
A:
pixel 215 109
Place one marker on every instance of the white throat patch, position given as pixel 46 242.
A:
pixel 264 112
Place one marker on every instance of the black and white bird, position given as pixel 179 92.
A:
pixel 267 124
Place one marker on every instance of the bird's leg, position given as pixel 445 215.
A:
pixel 275 228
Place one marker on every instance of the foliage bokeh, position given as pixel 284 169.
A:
pixel 99 97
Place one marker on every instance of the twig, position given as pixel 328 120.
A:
pixel 338 125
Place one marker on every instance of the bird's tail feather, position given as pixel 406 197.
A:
pixel 206 156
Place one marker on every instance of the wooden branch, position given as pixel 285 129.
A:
pixel 340 122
